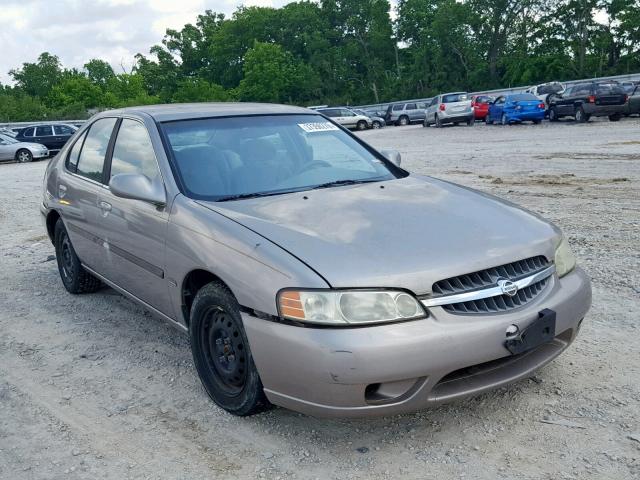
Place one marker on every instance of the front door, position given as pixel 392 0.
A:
pixel 134 231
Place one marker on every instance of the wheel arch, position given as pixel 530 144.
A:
pixel 52 218
pixel 191 284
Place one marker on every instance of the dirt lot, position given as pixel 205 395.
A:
pixel 93 387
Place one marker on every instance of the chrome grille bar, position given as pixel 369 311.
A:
pixel 487 292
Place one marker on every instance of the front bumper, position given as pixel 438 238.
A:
pixel 395 368
pixel 40 154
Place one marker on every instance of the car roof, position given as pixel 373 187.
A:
pixel 184 111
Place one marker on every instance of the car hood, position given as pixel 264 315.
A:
pixel 406 233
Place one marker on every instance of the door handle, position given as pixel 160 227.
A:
pixel 62 190
pixel 104 206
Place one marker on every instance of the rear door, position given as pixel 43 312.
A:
pixel 7 150
pixel 347 118
pixel 78 190
pixel 44 135
pixel 134 231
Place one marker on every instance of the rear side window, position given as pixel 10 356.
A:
pixel 91 161
pixel 74 153
pixel 44 131
pixel 63 130
pixel 133 152
pixel 609 88
pixel 411 106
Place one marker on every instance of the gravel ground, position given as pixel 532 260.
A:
pixel 94 387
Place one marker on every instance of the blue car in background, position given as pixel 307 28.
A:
pixel 517 107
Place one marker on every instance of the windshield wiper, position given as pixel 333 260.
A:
pixel 241 196
pixel 337 183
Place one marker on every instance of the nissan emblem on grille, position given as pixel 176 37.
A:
pixel 508 287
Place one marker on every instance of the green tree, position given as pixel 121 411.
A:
pixel 38 78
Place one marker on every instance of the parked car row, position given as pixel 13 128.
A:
pixel 581 101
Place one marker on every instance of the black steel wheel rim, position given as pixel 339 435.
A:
pixel 224 350
pixel 66 260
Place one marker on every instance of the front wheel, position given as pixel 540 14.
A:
pixel 24 156
pixel 471 122
pixel 361 125
pixel 221 352
pixel 74 277
pixel 615 117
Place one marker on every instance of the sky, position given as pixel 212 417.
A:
pixel 79 30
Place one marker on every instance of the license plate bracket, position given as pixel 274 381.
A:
pixel 542 330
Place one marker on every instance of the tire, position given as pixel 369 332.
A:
pixel 615 117
pixel 24 156
pixel 580 116
pixel 376 124
pixel 488 120
pixel 553 115
pixel 504 120
pixel 361 125
pixel 438 121
pixel 221 352
pixel 403 121
pixel 74 277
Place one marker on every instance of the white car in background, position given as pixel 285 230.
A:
pixel 12 149
pixel 546 90
pixel 346 117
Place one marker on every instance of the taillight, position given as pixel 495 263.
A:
pixel 541 105
pixel 591 99
pixel 442 107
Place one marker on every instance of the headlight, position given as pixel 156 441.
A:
pixel 565 260
pixel 348 307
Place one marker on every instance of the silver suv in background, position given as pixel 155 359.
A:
pixel 405 113
pixel 449 108
pixel 346 117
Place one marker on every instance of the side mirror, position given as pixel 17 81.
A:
pixel 138 187
pixel 393 156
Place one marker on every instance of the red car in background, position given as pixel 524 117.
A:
pixel 480 105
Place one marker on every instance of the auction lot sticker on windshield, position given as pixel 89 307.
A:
pixel 318 127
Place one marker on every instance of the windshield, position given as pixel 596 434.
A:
pixel 7 138
pixel 454 97
pixel 550 88
pixel 223 158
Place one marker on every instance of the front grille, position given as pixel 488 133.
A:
pixel 488 278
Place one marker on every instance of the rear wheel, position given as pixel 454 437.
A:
pixel 403 120
pixel 438 122
pixel 504 120
pixel 580 115
pixel 615 117
pixel 376 124
pixel 24 156
pixel 221 352
pixel 471 122
pixel 74 277
pixel 553 114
